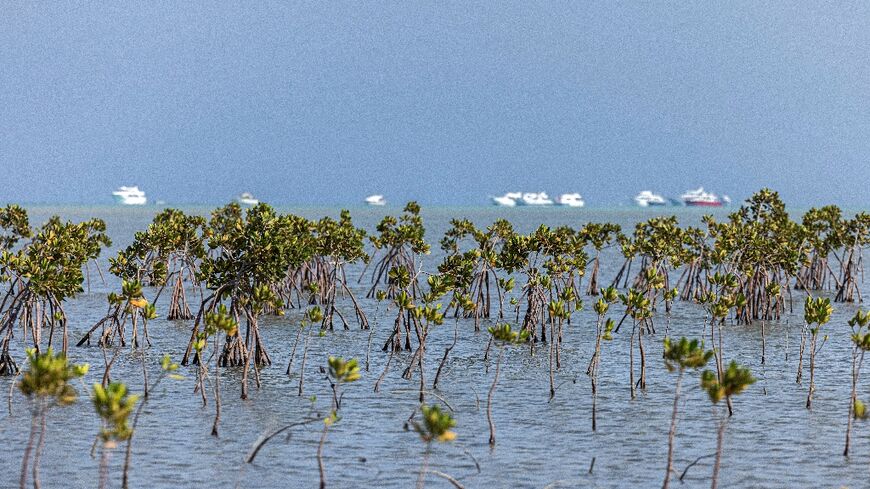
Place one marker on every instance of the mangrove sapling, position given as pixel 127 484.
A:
pixel 502 336
pixel 475 271
pixel 113 405
pixel 404 302
pixel 435 427
pixel 680 356
pixel 773 290
pixel 130 305
pixel 718 303
pixel 427 315
pixel 816 312
pixel 379 297
pixel 46 383
pixel 339 243
pixel 825 229
pixel 855 236
pixel 314 315
pixel 14 226
pixel 167 369
pixel 603 331
pixel 759 244
pixel 600 235
pixel 465 303
pixel 558 312
pixel 637 305
pixel 403 241
pixel 166 254
pixel 340 372
pixel 734 380
pixel 669 296
pixel 216 323
pixel 860 344
pixel 250 255
pixel 44 273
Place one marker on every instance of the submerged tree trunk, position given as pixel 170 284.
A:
pixel 856 370
pixel 489 398
pixel 673 431
pixel 720 437
pixel 812 371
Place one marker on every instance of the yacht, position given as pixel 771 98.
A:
pixel 375 200
pixel 245 198
pixel 570 200
pixel 700 198
pixel 535 199
pixel 507 200
pixel 129 196
pixel 649 199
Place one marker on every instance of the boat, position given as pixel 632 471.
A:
pixel 700 198
pixel 649 199
pixel 245 198
pixel 375 200
pixel 535 199
pixel 570 200
pixel 129 196
pixel 507 200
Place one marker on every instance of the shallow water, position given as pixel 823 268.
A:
pixel 771 441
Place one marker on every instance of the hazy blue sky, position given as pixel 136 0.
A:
pixel 326 102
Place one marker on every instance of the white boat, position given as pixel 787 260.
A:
pixel 129 196
pixel 570 200
pixel 648 199
pixel 375 200
pixel 507 200
pixel 246 198
pixel 700 198
pixel 535 199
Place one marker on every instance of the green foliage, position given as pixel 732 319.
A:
pixel 817 311
pixel 51 262
pixel 220 321
pixel 860 409
pixel 860 337
pixel 503 333
pixel 114 406
pixel 436 424
pixel 637 304
pixel 343 371
pixel 251 250
pixel 407 230
pixel 173 239
pixel 685 354
pixel 15 226
pixel 49 376
pixel 735 379
pixel 314 314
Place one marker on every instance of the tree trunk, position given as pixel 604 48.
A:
pixel 720 437
pixel 673 432
pixel 489 398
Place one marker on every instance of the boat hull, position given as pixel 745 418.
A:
pixel 504 202
pixel 703 204
pixel 130 200
pixel 652 204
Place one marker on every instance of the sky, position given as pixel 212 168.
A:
pixel 446 103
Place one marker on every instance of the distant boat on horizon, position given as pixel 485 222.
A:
pixel 649 199
pixel 246 198
pixel 507 200
pixel 570 200
pixel 537 199
pixel 376 199
pixel 700 198
pixel 129 196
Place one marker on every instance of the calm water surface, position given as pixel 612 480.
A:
pixel 772 440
